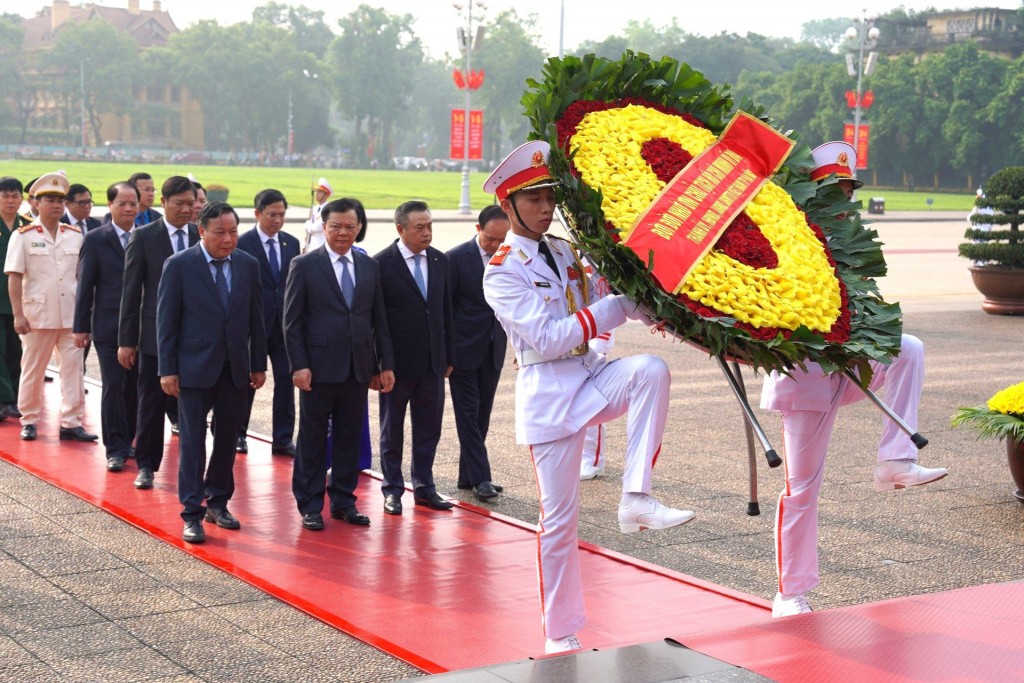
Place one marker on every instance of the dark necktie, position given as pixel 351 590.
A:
pixel 542 247
pixel 347 286
pixel 221 281
pixel 124 241
pixel 275 269
pixel 417 274
pixel 180 235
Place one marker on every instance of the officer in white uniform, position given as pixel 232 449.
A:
pixel 42 265
pixel 809 402
pixel 315 225
pixel 592 464
pixel 548 306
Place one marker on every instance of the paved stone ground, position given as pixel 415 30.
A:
pixel 86 597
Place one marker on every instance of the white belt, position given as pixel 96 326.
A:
pixel 531 357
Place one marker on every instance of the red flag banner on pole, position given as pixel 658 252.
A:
pixel 862 144
pixel 476 134
pixel 457 146
pixel 687 218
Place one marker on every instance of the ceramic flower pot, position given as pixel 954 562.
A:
pixel 1015 456
pixel 1003 289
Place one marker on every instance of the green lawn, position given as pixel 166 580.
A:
pixel 376 189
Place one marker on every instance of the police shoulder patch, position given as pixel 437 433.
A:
pixel 65 226
pixel 26 228
pixel 499 256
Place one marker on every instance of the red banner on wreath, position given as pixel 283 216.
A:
pixel 686 219
pixel 457 145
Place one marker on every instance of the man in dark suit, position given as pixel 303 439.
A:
pixel 148 248
pixel 415 277
pixel 274 249
pixel 336 331
pixel 77 207
pixel 100 281
pixel 212 349
pixel 480 345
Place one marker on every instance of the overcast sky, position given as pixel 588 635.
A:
pixel 584 19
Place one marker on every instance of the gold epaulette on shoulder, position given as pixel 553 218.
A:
pixel 65 226
pixel 26 228
pixel 499 256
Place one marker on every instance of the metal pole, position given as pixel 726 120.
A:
pixel 291 130
pixel 861 38
pixel 753 507
pixel 769 453
pixel 81 75
pixel 917 439
pixel 464 206
pixel 561 30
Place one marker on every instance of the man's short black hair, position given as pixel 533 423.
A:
pixel 198 186
pixel 215 210
pixel 176 184
pixel 338 206
pixel 114 189
pixel 75 190
pixel 134 178
pixel 403 211
pixel 489 214
pixel 265 198
pixel 29 185
pixel 11 184
pixel 361 216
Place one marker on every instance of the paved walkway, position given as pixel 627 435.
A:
pixel 84 596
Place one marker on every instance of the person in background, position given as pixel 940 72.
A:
pixel 11 192
pixel 322 191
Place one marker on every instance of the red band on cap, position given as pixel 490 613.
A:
pixel 523 179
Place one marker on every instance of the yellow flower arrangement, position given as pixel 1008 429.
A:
pixel 1002 417
pixel 1009 401
pixel 801 290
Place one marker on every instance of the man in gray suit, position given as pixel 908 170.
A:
pixel 336 333
pixel 212 349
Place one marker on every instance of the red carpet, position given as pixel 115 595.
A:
pixel 440 590
pixel 447 591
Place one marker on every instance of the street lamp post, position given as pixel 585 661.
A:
pixel 467 45
pixel 861 36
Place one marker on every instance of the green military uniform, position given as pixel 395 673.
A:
pixel 10 343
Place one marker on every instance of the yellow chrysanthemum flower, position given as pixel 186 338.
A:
pixel 1009 401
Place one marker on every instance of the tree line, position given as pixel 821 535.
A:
pixel 367 86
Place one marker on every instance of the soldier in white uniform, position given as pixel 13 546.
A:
pixel 315 225
pixel 42 264
pixel 547 303
pixel 809 402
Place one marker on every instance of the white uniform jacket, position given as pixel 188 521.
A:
pixel 554 399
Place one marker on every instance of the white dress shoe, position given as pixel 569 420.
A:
pixel 787 606
pixel 642 511
pixel 588 471
pixel 899 474
pixel 566 644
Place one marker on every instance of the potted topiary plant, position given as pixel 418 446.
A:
pixel 998 254
pixel 1001 418
pixel 216 193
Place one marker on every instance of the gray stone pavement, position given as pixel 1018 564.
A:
pixel 84 596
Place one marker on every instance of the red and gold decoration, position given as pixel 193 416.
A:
pixel 696 211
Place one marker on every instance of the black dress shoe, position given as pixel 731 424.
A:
pixel 28 433
pixel 193 532
pixel 433 501
pixel 11 410
pixel 283 449
pixel 392 505
pixel 144 479
pixel 115 463
pixel 223 518
pixel 241 446
pixel 352 516
pixel 76 434
pixel 469 487
pixel 485 491
pixel 313 521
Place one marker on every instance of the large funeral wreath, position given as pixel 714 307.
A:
pixel 790 279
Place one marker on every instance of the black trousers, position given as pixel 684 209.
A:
pixel 472 400
pixel 119 401
pixel 284 391
pixel 425 400
pixel 149 434
pixel 10 360
pixel 345 404
pixel 196 479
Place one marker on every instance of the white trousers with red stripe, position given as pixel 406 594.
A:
pixel 806 435
pixel 593 446
pixel 639 385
